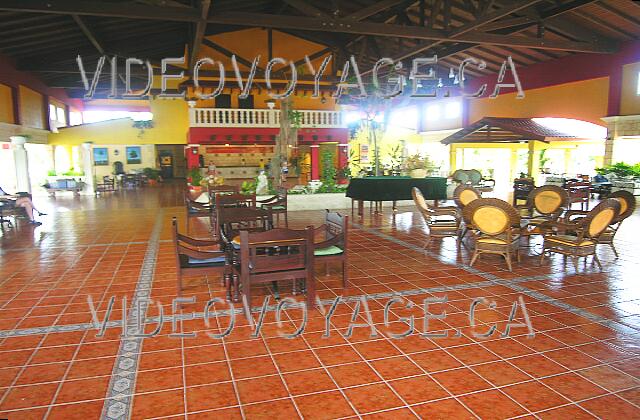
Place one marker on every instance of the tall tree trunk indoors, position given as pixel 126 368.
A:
pixel 286 141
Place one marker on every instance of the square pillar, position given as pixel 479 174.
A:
pixel 608 151
pixel 21 161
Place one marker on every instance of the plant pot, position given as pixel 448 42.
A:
pixel 418 173
pixel 195 188
pixel 153 182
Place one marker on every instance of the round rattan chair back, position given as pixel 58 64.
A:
pixel 548 199
pixel 461 176
pixel 474 176
pixel 600 217
pixel 627 204
pixel 491 216
pixel 465 194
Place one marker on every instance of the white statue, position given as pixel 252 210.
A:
pixel 262 186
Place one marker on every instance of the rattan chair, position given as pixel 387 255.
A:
pixel 586 233
pixel 496 225
pixel 546 204
pixel 462 196
pixel 441 221
pixel 627 207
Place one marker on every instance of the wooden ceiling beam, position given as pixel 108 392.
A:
pixel 228 53
pixel 307 8
pixel 103 8
pixel 374 9
pixel 200 30
pixel 398 31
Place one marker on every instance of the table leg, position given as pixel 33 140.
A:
pixel 395 208
pixel 361 208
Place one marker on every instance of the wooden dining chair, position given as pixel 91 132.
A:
pixel 522 187
pixel 196 210
pixel 278 254
pixel 196 257
pixel 235 200
pixel 277 205
pixel 496 224
pixel 579 239
pixel 579 192
pixel 333 246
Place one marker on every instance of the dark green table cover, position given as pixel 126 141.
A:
pixel 396 188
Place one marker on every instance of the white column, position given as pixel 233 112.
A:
pixel 23 183
pixel 87 167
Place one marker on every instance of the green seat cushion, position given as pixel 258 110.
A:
pixel 277 208
pixel 331 250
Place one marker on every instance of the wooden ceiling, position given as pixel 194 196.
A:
pixel 45 36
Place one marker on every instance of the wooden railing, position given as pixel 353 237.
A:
pixel 226 117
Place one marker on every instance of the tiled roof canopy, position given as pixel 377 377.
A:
pixel 506 130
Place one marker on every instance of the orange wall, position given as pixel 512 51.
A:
pixel 6 104
pixel 31 108
pixel 585 100
pixel 629 98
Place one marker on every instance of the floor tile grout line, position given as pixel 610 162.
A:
pixel 227 360
pixel 328 372
pixel 81 341
pixel 118 404
pixel 35 350
pixel 531 293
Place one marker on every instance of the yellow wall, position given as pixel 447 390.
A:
pixel 585 100
pixel 6 104
pixel 31 108
pixel 629 99
pixel 170 119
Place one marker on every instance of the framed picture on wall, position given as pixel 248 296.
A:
pixel 134 155
pixel 100 156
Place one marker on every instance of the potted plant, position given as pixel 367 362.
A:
pixel 152 174
pixel 417 166
pixel 195 180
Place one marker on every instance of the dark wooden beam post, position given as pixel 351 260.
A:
pixel 47 112
pixel 270 43
pixel 15 100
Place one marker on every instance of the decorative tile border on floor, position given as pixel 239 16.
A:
pixel 123 378
pixel 495 280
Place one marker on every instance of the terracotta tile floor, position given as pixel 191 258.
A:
pixel 582 362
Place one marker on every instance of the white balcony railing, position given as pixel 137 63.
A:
pixel 225 117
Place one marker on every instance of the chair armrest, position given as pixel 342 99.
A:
pixel 491 180
pixel 570 213
pixel 202 255
pixel 268 200
pixel 443 211
pixel 197 242
pixel 334 240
